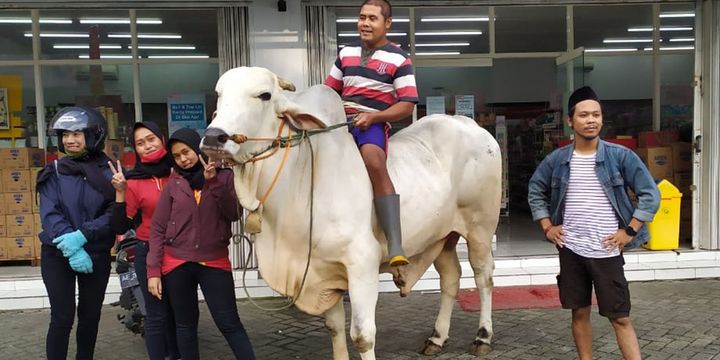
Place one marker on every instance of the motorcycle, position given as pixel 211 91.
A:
pixel 131 297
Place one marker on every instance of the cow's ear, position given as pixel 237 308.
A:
pixel 304 121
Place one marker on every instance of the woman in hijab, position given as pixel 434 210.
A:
pixel 76 201
pixel 189 242
pixel 136 195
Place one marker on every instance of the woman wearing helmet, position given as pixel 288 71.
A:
pixel 136 195
pixel 76 200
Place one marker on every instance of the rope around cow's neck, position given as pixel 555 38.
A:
pixel 310 232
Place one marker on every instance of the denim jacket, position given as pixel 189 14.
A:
pixel 617 168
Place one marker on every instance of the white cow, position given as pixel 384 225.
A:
pixel 446 168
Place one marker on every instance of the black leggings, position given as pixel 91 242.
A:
pixel 159 321
pixel 219 289
pixel 59 281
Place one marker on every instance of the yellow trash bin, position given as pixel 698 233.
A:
pixel 665 228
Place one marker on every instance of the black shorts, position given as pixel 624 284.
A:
pixel 577 276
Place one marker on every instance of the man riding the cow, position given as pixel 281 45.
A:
pixel 376 82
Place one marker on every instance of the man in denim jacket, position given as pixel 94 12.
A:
pixel 578 195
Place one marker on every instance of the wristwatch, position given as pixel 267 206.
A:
pixel 630 231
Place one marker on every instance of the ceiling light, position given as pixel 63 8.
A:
pixel 118 21
pixel 610 50
pixel 179 57
pixel 146 36
pixel 681 39
pixel 354 20
pixel 443 44
pixel 438 53
pixel 29 21
pixel 666 48
pixel 431 33
pixel 70 35
pixel 662 28
pixel 348 34
pixel 618 41
pixel 85 46
pixel 163 47
pixel 456 19
pixel 107 57
pixel 677 14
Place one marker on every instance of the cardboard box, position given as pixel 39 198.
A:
pixel 20 225
pixel 682 156
pixel 650 139
pixel 3 249
pixel 35 202
pixel 19 248
pixel 684 182
pixel 33 177
pixel 3 231
pixel 658 161
pixel 15 180
pixel 22 158
pixel 37 224
pixel 628 143
pixel 115 149
pixel 17 203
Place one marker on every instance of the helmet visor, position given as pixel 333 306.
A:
pixel 72 120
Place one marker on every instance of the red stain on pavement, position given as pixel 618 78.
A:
pixel 513 297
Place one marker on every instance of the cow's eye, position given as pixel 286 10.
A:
pixel 264 96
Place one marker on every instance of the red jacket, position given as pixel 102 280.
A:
pixel 143 195
pixel 188 230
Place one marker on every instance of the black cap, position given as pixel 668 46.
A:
pixel 582 94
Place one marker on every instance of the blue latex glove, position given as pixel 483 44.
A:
pixel 70 243
pixel 80 262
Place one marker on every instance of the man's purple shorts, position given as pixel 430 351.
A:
pixel 376 134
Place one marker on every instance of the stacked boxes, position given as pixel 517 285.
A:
pixel 18 173
pixel 669 159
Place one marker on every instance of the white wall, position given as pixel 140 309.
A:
pixel 284 54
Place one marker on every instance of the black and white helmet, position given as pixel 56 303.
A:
pixel 81 118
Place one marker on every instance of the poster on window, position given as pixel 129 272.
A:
pixel 435 105
pixel 465 105
pixel 4 109
pixel 186 111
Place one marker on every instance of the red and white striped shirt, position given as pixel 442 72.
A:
pixel 384 79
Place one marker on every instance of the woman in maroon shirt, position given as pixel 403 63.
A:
pixel 136 194
pixel 189 241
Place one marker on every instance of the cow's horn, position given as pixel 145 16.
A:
pixel 286 85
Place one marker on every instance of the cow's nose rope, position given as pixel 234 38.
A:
pixel 310 233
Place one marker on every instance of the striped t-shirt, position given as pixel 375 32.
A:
pixel 373 81
pixel 589 217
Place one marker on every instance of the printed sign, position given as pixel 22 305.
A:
pixel 435 105
pixel 186 111
pixel 465 105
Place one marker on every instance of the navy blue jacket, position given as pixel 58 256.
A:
pixel 69 203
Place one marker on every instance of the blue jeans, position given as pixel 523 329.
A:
pixel 159 322
pixel 219 289
pixel 59 281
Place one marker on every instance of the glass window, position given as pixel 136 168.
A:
pixel 174 34
pixel 17 106
pixel 178 95
pixel 451 31
pixel 108 88
pixel 625 86
pixel 530 29
pixel 347 30
pixel 15 45
pixel 85 34
pixel 599 28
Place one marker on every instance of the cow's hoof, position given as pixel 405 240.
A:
pixel 480 348
pixel 430 348
pixel 398 273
